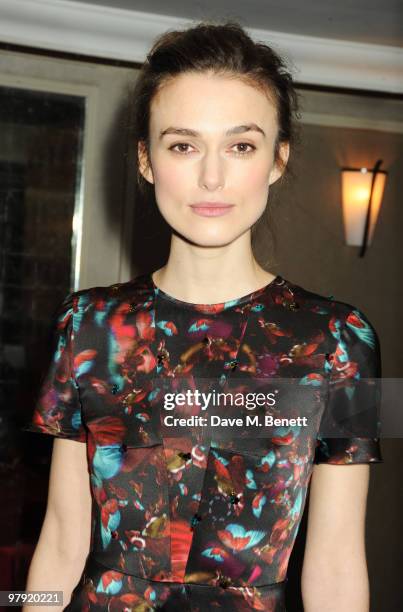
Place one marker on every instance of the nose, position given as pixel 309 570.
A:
pixel 212 172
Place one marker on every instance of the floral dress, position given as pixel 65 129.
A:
pixel 184 518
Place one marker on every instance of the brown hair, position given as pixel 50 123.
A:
pixel 223 49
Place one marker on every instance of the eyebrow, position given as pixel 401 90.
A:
pixel 237 129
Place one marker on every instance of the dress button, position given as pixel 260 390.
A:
pixel 185 455
pixel 290 305
pixel 196 518
pixel 224 581
pixel 234 499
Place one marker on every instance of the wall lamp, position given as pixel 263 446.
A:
pixel 362 193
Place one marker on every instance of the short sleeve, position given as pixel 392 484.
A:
pixel 349 431
pixel 57 409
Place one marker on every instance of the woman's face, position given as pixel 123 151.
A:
pixel 211 140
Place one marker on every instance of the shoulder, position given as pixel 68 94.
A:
pixel 106 298
pixel 341 316
pixel 313 301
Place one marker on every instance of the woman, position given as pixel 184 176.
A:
pixel 175 519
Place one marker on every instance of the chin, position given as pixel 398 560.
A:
pixel 214 237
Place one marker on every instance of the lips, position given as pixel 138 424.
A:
pixel 211 204
pixel 211 209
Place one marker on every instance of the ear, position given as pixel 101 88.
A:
pixel 279 167
pixel 144 165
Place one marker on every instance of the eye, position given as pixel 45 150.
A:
pixel 244 144
pixel 182 145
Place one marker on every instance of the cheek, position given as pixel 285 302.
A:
pixel 253 178
pixel 252 185
pixel 171 182
pixel 167 176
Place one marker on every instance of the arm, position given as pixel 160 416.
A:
pixel 64 540
pixel 334 574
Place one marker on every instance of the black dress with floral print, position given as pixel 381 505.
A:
pixel 182 520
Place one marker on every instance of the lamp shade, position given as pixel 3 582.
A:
pixel 362 193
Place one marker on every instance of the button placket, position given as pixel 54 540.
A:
pixel 208 344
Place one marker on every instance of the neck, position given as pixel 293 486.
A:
pixel 210 274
